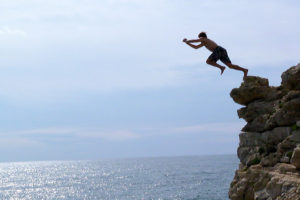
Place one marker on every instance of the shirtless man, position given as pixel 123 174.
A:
pixel 218 52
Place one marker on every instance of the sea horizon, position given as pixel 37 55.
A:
pixel 117 158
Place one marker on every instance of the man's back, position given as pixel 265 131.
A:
pixel 208 43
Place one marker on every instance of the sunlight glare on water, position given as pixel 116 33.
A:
pixel 167 178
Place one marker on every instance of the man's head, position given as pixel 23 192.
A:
pixel 202 34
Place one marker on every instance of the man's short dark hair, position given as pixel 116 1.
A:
pixel 202 34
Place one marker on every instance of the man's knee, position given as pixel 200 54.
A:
pixel 209 62
pixel 229 65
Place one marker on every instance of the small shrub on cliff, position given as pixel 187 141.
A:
pixel 289 154
pixel 255 161
pixel 295 127
pixel 261 150
pixel 280 105
pixel 245 168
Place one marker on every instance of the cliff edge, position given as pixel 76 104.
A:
pixel 269 148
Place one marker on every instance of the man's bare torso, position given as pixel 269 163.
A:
pixel 209 44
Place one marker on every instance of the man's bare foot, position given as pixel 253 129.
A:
pixel 245 73
pixel 222 70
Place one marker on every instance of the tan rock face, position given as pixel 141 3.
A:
pixel 281 182
pixel 255 147
pixel 270 161
pixel 295 160
pixel 251 89
pixel 291 78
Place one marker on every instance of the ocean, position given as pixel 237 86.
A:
pixel 163 178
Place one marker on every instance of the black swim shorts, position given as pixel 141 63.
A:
pixel 219 53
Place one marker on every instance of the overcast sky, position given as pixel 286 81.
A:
pixel 89 79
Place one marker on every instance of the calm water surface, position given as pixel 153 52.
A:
pixel 168 178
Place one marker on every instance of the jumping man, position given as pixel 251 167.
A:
pixel 218 52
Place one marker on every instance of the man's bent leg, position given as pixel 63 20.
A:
pixel 215 64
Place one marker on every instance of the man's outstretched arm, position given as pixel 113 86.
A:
pixel 194 41
pixel 194 46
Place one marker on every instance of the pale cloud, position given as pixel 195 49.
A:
pixel 129 134
pixel 45 131
pixel 114 135
pixel 53 85
pixel 9 142
pixel 118 135
pixel 220 127
pixel 6 31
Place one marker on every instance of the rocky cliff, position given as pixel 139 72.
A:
pixel 269 157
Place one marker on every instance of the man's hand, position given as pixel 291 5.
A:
pixel 184 40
